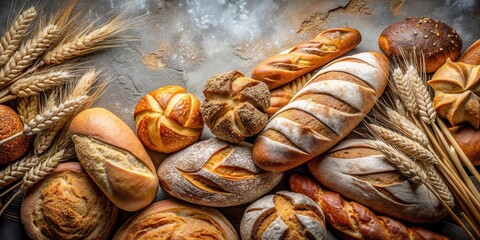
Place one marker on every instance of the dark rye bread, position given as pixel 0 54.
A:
pixel 328 108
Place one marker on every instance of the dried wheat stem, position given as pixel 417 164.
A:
pixel 27 108
pixel 400 107
pixel 17 170
pixel 437 183
pixel 424 102
pixel 40 171
pixel 404 88
pixel 408 146
pixel 406 126
pixel 405 165
pixel 13 36
pixel 36 83
pixel 44 139
pixel 84 84
pixel 27 53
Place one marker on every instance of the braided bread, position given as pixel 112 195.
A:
pixel 352 220
pixel 307 56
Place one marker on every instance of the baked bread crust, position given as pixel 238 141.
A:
pixel 11 124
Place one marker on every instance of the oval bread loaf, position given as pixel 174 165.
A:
pixel 173 219
pixel 114 158
pixel 215 173
pixel 354 169
pixel 284 215
pixel 11 124
pixel 327 109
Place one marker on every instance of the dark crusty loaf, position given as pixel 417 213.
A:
pixel 327 109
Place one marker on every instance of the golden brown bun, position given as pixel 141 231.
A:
pixel 284 215
pixel 471 55
pixel 173 219
pixel 168 119
pixel 468 139
pixel 326 110
pixel 67 205
pixel 215 173
pixel 114 158
pixel 351 220
pixel 307 56
pixel 11 124
pixel 234 106
pixel 354 169
pixel 435 39
pixel 457 93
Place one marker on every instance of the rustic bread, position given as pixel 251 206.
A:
pixel 434 38
pixel 114 158
pixel 354 169
pixel 234 106
pixel 279 97
pixel 67 205
pixel 173 219
pixel 327 109
pixel 11 124
pixel 215 173
pixel 168 119
pixel 284 215
pixel 351 220
pixel 307 56
pixel 472 54
pixel 468 139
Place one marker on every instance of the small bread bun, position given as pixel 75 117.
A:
pixel 11 124
pixel 468 139
pixel 67 205
pixel 173 219
pixel 435 39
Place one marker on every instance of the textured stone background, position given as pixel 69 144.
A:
pixel 186 42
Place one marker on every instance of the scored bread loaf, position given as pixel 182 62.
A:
pixel 327 109
pixel 307 56
pixel 114 158
pixel 284 215
pixel 354 221
pixel 472 54
pixel 354 169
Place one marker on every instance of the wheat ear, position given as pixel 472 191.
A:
pixel 40 171
pixel 404 89
pixel 438 184
pixel 36 83
pixel 27 108
pixel 404 164
pixel 406 126
pixel 408 146
pixel 17 170
pixel 27 53
pixel 11 39
pixel 424 102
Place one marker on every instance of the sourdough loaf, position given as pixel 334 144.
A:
pixel 328 108
pixel 11 124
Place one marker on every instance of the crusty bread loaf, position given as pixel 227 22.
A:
pixel 67 205
pixel 284 215
pixel 114 158
pixel 215 173
pixel 279 97
pixel 234 106
pixel 351 220
pixel 11 124
pixel 435 39
pixel 471 55
pixel 328 108
pixel 468 139
pixel 168 119
pixel 307 56
pixel 173 219
pixel 354 169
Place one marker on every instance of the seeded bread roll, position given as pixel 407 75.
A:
pixel 11 124
pixel 67 205
pixel 215 173
pixel 284 215
pixel 173 219
pixel 114 158
pixel 435 39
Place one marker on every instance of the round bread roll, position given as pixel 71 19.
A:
pixel 234 106
pixel 357 171
pixel 285 215
pixel 168 119
pixel 114 158
pixel 215 173
pixel 435 39
pixel 173 219
pixel 67 205
pixel 11 124
pixel 468 139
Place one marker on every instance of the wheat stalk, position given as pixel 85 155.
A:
pixel 438 184
pixel 11 39
pixel 27 108
pixel 40 171
pixel 85 83
pixel 27 53
pixel 424 102
pixel 17 170
pixel 406 126
pixel 404 88
pixel 36 83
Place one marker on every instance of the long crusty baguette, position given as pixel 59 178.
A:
pixel 307 56
pixel 352 220
pixel 328 108
pixel 472 54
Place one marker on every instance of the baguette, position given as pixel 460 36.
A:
pixel 352 220
pixel 472 54
pixel 327 109
pixel 307 56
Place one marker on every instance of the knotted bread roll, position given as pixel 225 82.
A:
pixel 168 119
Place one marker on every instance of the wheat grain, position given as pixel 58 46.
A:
pixel 27 53
pixel 37 173
pixel 13 36
pixel 406 126
pixel 36 83
pixel 404 89
pixel 15 171
pixel 434 179
pixel 84 84
pixel 424 102
pixel 408 146
pixel 405 165
pixel 27 108
pixel 400 107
